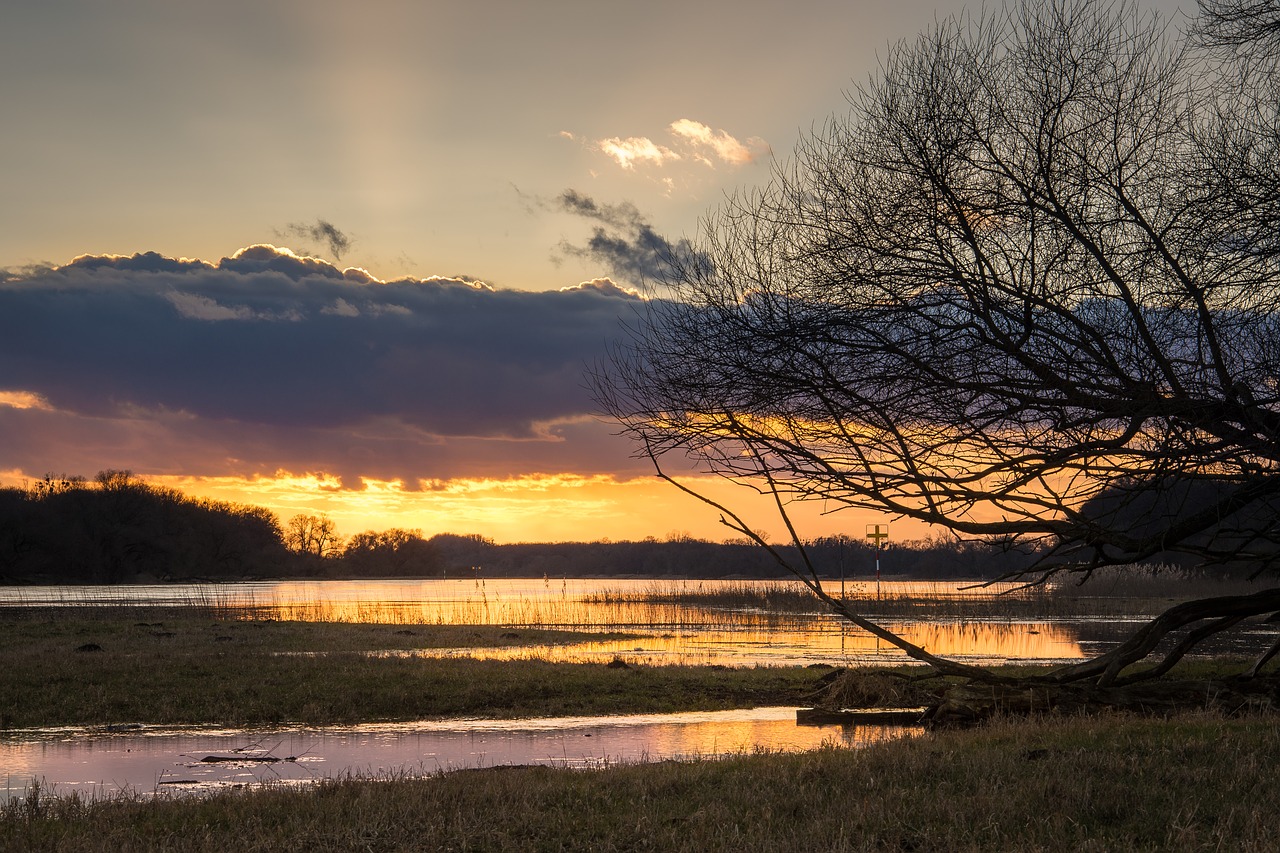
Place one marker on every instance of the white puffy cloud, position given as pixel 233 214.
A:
pixel 691 140
pixel 725 147
pixel 636 149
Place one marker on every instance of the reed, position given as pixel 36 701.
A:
pixel 1117 591
pixel 774 596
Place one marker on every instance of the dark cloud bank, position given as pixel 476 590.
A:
pixel 266 359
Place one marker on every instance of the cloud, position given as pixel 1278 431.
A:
pixel 627 152
pixel 267 359
pixel 196 307
pixel 141 262
pixel 321 231
pixel 23 400
pixel 624 243
pixel 721 144
pixel 605 286
pixel 265 257
pixel 691 140
pixel 341 308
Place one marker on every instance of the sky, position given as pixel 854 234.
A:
pixel 355 258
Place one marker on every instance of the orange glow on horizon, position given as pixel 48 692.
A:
pixel 554 507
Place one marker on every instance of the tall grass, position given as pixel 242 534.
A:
pixel 776 596
pixel 1111 591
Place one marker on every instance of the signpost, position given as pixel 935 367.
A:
pixel 878 533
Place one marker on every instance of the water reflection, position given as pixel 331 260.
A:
pixel 823 640
pixel 75 761
pixel 508 601
pixel 713 625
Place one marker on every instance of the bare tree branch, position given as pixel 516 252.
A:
pixel 1027 289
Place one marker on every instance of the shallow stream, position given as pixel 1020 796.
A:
pixel 155 760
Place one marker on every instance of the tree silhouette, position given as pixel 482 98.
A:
pixel 394 551
pixel 314 535
pixel 1027 283
pixel 118 528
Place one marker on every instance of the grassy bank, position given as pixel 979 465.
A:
pixel 1192 782
pixel 173 667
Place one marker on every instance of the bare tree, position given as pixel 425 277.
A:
pixel 1249 26
pixel 393 551
pixel 1027 290
pixel 312 534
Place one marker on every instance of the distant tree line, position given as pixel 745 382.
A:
pixel 117 528
pixel 686 557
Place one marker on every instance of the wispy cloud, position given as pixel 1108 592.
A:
pixel 623 242
pixel 723 146
pixel 690 140
pixel 23 400
pixel 636 149
pixel 321 231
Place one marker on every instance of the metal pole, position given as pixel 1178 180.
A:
pixel 841 552
pixel 878 533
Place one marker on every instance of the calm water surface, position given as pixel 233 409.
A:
pixel 668 633
pixel 167 760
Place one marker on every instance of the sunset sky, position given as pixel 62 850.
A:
pixel 353 258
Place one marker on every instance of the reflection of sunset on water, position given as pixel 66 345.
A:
pixel 665 632
pixel 681 633
pixel 1013 640
pixel 93 763
pixel 825 640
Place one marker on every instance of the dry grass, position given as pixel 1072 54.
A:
pixel 776 596
pixel 874 688
pixel 185 669
pixel 1127 591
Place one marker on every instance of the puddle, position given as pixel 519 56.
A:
pixel 96 763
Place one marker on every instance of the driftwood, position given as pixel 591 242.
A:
pixel 244 759
pixel 859 716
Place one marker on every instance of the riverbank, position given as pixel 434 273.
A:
pixel 1114 782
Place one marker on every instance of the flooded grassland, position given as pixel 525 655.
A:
pixel 111 690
